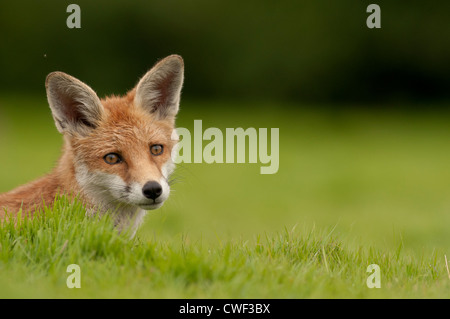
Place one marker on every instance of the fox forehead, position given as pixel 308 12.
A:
pixel 125 128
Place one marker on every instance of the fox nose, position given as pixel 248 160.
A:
pixel 152 190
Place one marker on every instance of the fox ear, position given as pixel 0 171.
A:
pixel 75 106
pixel 159 89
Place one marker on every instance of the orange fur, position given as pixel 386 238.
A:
pixel 120 126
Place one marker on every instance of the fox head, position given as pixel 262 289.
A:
pixel 120 147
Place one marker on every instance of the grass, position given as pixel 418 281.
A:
pixel 355 187
pixel 35 253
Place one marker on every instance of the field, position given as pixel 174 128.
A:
pixel 355 187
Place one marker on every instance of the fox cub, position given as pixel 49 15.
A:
pixel 117 150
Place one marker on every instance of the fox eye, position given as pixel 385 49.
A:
pixel 112 158
pixel 156 149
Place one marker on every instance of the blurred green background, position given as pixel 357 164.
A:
pixel 363 113
pixel 289 50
